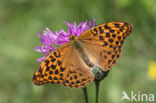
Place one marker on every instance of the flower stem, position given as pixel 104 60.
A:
pixel 100 75
pixel 85 93
pixel 97 84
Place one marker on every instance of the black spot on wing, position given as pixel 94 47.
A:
pixel 101 38
pixel 101 30
pixel 106 26
pixel 57 54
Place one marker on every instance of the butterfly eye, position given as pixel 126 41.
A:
pixel 71 37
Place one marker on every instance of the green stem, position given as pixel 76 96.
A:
pixel 100 75
pixel 97 84
pixel 85 93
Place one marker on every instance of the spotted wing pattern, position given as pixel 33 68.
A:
pixel 53 68
pixel 79 74
pixel 63 66
pixel 105 42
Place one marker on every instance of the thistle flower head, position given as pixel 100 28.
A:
pixel 51 40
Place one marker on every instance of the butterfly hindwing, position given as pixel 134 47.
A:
pixel 79 74
pixel 105 42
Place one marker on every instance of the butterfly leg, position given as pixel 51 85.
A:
pixel 85 93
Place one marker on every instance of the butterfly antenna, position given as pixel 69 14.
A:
pixel 85 93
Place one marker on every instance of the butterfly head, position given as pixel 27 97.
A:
pixel 72 38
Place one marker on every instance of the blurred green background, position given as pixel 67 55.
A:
pixel 21 20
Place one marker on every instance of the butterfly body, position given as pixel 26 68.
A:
pixel 84 58
pixel 97 71
pixel 78 45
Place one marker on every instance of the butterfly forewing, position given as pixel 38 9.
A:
pixel 53 68
pixel 105 42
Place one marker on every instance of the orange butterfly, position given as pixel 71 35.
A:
pixel 73 64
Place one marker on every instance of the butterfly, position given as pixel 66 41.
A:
pixel 71 64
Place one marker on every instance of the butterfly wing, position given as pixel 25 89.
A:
pixel 53 68
pixel 63 66
pixel 103 42
pixel 79 74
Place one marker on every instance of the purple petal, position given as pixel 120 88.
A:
pixel 48 38
pixel 41 59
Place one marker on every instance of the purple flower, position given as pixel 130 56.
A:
pixel 51 41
